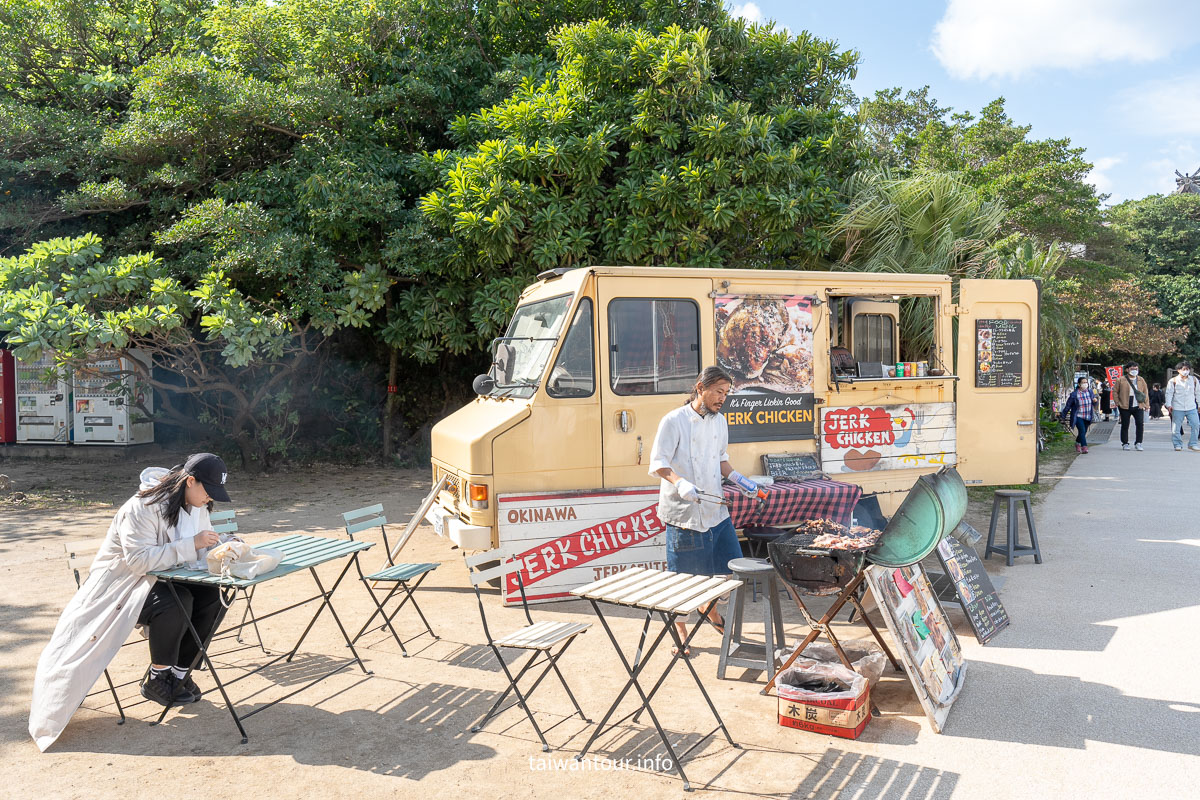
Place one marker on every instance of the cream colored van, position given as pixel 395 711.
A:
pixel 864 377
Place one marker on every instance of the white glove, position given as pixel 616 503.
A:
pixel 687 490
pixel 749 487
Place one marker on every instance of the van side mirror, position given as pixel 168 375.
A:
pixel 483 384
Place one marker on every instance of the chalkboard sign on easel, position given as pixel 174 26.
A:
pixel 791 466
pixel 974 588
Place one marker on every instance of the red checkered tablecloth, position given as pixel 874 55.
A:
pixel 795 502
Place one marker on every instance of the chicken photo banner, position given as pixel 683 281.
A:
pixel 766 343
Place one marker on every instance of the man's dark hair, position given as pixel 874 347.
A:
pixel 1182 365
pixel 709 377
pixel 1131 365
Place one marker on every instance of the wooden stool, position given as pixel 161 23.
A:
pixel 1012 548
pixel 732 644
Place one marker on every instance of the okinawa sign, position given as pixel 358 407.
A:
pixel 873 438
pixel 568 539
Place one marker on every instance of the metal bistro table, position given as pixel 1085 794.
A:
pixel 669 595
pixel 300 552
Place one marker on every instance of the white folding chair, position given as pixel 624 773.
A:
pixel 225 522
pixel 539 638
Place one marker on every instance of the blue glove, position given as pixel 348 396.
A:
pixel 745 484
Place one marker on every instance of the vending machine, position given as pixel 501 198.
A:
pixel 8 398
pixel 108 398
pixel 43 403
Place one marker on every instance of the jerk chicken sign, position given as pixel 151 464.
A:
pixel 872 438
pixel 766 344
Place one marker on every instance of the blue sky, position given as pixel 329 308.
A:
pixel 1118 77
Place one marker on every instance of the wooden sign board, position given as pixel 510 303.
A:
pixel 568 539
pixel 928 647
pixel 876 438
pixel 998 353
pixel 792 466
pixel 974 588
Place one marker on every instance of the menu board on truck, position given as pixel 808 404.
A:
pixel 999 353
pixel 766 344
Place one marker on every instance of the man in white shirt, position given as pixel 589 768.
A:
pixel 1182 402
pixel 690 458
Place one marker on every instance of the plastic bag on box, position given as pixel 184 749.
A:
pixel 801 671
pixel 866 657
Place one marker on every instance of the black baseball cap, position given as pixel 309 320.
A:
pixel 211 471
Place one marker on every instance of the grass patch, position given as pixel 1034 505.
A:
pixel 1053 462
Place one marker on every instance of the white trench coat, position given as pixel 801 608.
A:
pixel 105 610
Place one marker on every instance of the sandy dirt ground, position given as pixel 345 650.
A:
pixel 405 728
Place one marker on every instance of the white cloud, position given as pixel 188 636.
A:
pixel 750 12
pixel 1011 39
pixel 1099 177
pixel 1169 107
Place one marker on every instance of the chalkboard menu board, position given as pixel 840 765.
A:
pixel 998 352
pixel 976 594
pixel 794 466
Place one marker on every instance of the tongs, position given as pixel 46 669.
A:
pixel 760 504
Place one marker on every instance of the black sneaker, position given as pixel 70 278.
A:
pixel 186 691
pixel 160 688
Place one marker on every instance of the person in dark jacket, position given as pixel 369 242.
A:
pixel 1156 401
pixel 1106 399
pixel 1080 412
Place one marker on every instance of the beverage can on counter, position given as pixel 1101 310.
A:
pixel 899 369
pixel 922 369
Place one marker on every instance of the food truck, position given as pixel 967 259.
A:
pixel 868 378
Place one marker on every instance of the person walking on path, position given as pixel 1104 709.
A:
pixel 690 458
pixel 1157 401
pixel 1183 402
pixel 1105 399
pixel 1080 412
pixel 1132 397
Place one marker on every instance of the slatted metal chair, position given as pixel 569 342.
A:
pixel 398 578
pixel 225 522
pixel 79 556
pixel 538 638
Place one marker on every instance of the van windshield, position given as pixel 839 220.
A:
pixel 519 357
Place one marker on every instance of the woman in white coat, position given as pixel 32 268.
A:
pixel 162 526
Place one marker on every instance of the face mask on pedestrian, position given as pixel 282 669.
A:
pixel 1183 373
pixel 1133 373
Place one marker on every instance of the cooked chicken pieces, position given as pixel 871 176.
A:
pixel 751 334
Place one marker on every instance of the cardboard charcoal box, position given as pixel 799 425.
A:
pixel 846 718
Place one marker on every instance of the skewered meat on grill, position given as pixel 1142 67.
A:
pixel 751 334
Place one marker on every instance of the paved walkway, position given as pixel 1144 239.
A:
pixel 1095 689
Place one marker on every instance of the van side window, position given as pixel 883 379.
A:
pixel 874 338
pixel 654 345
pixel 574 373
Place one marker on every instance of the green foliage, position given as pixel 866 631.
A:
pixel 1163 231
pixel 1041 182
pixel 687 147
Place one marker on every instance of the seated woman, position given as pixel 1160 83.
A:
pixel 164 525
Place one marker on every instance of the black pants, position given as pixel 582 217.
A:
pixel 1139 416
pixel 171 643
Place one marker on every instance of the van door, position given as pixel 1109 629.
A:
pixel 656 334
pixel 998 381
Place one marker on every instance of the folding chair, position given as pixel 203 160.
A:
pixel 224 522
pixel 400 577
pixel 77 552
pixel 539 638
